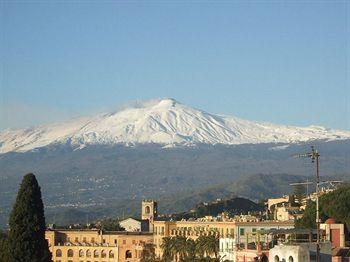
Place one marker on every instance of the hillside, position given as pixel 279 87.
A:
pixel 233 206
pixel 97 181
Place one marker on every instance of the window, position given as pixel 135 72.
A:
pixel 115 241
pixel 76 239
pixel 92 240
pixel 111 254
pixel 104 241
pixel 277 259
pixel 124 242
pixel 103 254
pixel 84 239
pixel 58 253
pixel 88 253
pixel 290 259
pixel 147 210
pixel 241 231
pixel 96 253
pixel 128 254
pixel 70 253
pixel 81 253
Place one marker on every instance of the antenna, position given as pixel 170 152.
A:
pixel 314 155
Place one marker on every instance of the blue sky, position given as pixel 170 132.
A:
pixel 285 62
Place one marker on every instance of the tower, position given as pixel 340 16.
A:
pixel 149 212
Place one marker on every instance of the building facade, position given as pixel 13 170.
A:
pixel 247 243
pixel 230 231
pixel 96 246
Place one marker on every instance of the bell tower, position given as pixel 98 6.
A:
pixel 149 212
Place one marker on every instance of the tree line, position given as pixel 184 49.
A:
pixel 182 249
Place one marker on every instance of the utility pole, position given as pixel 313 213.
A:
pixel 314 155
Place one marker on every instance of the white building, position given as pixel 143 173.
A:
pixel 287 213
pixel 235 247
pixel 135 225
pixel 305 252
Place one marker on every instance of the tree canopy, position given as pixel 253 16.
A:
pixel 26 239
pixel 335 204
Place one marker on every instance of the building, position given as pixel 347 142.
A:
pixel 273 201
pixel 334 232
pixel 135 225
pixel 94 245
pixel 226 229
pixel 248 243
pixel 149 211
pixel 287 213
pixel 301 252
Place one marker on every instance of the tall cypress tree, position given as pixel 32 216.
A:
pixel 26 240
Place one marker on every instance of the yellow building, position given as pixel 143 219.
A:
pixel 96 246
pixel 237 229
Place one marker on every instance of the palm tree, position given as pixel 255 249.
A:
pixel 179 247
pixel 200 247
pixel 207 246
pixel 167 246
pixel 190 250
pixel 212 245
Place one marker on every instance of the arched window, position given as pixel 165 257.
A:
pixel 88 253
pixel 58 253
pixel 111 254
pixel 96 253
pixel 277 259
pixel 128 254
pixel 290 259
pixel 70 253
pixel 103 254
pixel 147 210
pixel 81 253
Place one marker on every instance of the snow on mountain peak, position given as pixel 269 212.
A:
pixel 162 121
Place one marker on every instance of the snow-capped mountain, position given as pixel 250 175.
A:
pixel 162 121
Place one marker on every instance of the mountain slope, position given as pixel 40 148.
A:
pixel 163 121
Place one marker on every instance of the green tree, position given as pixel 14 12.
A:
pixel 3 247
pixel 299 192
pixel 167 247
pixel 110 224
pixel 190 250
pixel 335 204
pixel 212 246
pixel 26 240
pixel 179 247
pixel 308 221
pixel 148 253
pixel 200 246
